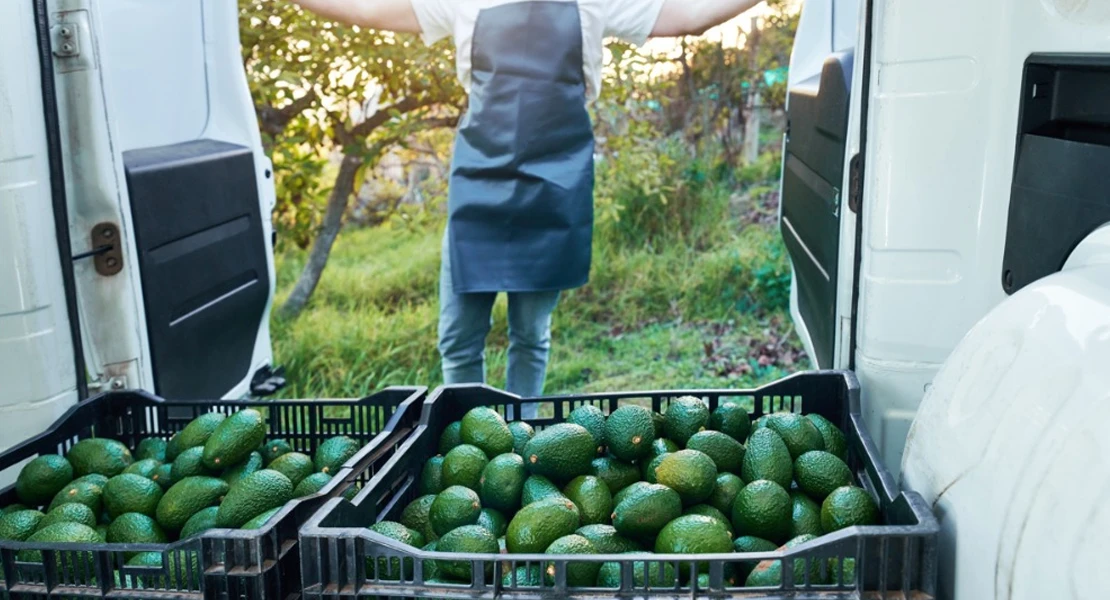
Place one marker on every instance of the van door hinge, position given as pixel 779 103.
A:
pixel 855 184
pixel 65 41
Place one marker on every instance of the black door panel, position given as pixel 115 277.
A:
pixel 811 194
pixel 202 253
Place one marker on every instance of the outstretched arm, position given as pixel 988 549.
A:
pixel 694 17
pixel 389 15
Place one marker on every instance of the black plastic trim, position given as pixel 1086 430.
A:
pixel 1058 193
pixel 202 256
pixel 812 194
pixel 861 170
pixel 58 191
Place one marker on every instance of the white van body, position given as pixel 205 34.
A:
pixel 136 137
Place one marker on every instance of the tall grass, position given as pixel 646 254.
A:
pixel 672 277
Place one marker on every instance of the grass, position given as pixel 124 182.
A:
pixel 649 319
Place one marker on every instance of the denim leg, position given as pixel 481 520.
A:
pixel 464 323
pixel 529 343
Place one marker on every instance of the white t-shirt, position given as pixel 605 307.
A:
pixel 629 20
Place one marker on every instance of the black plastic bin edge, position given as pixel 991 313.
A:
pixel 47 443
pixel 926 527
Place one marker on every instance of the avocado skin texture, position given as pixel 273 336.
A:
pixel 65 532
pixel 450 437
pixel 502 482
pixel 560 452
pixel 523 577
pixel 763 509
pixel 706 510
pixel 485 428
pixel 99 455
pixel 187 497
pixel 151 449
pixel 163 476
pixel 493 521
pixel 147 467
pixel 311 484
pixel 135 528
pixel 261 520
pixel 273 449
pixel 130 493
pixel 660 575
pixel 335 451
pixel 454 507
pixel 196 433
pixel 234 439
pixel 847 506
pixel 732 420
pixel 253 495
pixel 294 465
pixel 190 463
pixel 579 574
pixel 69 513
pixel 644 512
pixel 690 473
pixel 799 433
pixel 42 478
pixel 831 435
pixel 769 572
pixel 727 453
pixel 472 539
pixel 254 463
pixel 592 497
pixel 694 534
pixel 417 516
pixel 630 432
pixel 592 420
pixel 806 516
pixel 818 473
pixel 180 574
pixel 616 473
pixel 200 522
pixel 749 543
pixel 630 490
pixel 19 525
pixel 767 457
pixel 463 466
pixel 522 432
pixel 537 525
pixel 606 539
pixel 724 493
pixel 538 487
pixel 431 477
pixel 84 491
pixel 685 416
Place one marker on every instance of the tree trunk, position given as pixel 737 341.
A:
pixel 329 230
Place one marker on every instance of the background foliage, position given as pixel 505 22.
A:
pixel 689 286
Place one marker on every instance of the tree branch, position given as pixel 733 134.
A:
pixel 275 120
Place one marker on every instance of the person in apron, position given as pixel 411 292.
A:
pixel 520 193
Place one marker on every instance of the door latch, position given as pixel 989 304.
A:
pixel 855 184
pixel 107 252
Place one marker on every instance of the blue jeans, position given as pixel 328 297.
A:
pixel 465 321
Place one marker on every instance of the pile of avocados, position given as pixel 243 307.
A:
pixel 689 481
pixel 220 471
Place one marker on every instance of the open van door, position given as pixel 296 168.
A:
pixel 817 223
pixel 138 205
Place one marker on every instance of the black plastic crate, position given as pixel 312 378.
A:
pixel 893 560
pixel 226 564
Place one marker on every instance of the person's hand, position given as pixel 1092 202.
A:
pixel 694 17
pixel 387 15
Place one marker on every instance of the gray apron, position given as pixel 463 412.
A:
pixel 520 201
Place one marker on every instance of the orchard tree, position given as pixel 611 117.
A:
pixel 323 89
